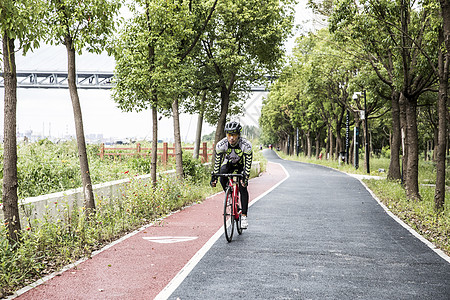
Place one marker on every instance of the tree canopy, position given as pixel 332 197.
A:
pixel 395 52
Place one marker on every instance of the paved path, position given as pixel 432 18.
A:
pixel 318 235
pixel 138 267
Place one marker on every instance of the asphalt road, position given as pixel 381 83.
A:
pixel 318 235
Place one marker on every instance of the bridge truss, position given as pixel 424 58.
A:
pixel 85 80
pixel 58 80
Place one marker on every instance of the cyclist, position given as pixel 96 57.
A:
pixel 234 154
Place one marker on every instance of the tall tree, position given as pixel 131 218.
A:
pixel 187 25
pixel 243 43
pixel 78 25
pixel 405 29
pixel 443 74
pixel 136 61
pixel 356 27
pixel 160 42
pixel 19 21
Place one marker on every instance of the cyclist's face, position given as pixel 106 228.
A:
pixel 232 138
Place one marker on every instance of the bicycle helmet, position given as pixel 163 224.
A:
pixel 233 127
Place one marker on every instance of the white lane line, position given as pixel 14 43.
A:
pixel 170 239
pixel 184 272
pixel 407 227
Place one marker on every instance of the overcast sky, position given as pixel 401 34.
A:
pixel 50 110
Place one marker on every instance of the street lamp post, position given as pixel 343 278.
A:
pixel 366 134
pixel 347 129
pixel 366 129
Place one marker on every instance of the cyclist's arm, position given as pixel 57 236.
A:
pixel 217 162
pixel 248 157
pixel 221 148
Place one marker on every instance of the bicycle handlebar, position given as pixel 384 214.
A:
pixel 227 175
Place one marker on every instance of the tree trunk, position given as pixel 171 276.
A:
pixel 309 144
pixel 81 144
pixel 394 163
pixel 412 146
pixel 198 135
pixel 331 137
pixel 339 142
pixel 357 144
pixel 403 134
pixel 435 139
pixel 154 161
pixel 303 143
pixel 318 147
pixel 177 137
pixel 444 61
pixel 225 96
pixel 9 193
pixel 439 195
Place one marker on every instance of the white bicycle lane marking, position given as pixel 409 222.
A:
pixel 170 239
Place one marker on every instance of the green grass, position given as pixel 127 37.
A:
pixel 45 167
pixel 419 215
pixel 48 244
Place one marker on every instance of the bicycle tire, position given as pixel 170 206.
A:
pixel 228 217
pixel 238 221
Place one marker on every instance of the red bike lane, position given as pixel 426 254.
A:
pixel 141 265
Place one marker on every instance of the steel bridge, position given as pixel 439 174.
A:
pixel 84 80
pixel 58 80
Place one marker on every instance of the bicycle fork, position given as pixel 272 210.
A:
pixel 236 208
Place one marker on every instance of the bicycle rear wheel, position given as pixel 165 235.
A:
pixel 228 223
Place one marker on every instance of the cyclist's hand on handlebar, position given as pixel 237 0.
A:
pixel 244 180
pixel 213 181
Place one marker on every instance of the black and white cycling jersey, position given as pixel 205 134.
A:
pixel 239 156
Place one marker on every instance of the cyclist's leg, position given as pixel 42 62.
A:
pixel 243 191
pixel 244 198
pixel 224 169
pixel 244 202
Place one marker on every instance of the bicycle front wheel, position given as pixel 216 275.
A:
pixel 228 223
pixel 238 220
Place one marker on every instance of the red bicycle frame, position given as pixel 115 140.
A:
pixel 235 196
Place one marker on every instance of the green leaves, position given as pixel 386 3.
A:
pixel 90 23
pixel 21 20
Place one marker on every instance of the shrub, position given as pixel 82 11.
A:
pixel 49 243
pixel 193 169
pixel 386 152
pixel 45 167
